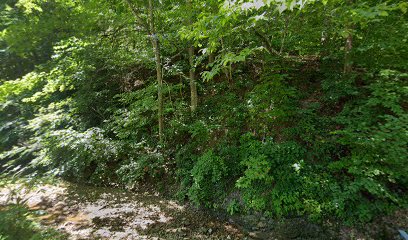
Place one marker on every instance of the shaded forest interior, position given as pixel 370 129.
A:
pixel 287 108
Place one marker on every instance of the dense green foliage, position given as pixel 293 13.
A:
pixel 15 225
pixel 302 105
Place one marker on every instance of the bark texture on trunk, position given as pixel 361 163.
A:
pixel 156 49
pixel 348 65
pixel 193 84
pixel 347 58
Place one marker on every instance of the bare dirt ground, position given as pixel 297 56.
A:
pixel 104 213
pixel 86 212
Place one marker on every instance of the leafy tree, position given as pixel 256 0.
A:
pixel 301 108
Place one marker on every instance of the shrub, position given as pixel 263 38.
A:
pixel 15 225
pixel 375 130
pixel 208 176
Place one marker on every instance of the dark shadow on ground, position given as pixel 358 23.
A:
pixel 87 212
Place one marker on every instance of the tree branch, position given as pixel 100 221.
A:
pixel 136 14
pixel 268 45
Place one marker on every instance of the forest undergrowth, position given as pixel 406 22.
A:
pixel 284 108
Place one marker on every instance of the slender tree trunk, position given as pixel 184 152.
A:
pixel 193 84
pixel 226 70
pixel 211 58
pixel 156 49
pixel 347 58
pixel 348 46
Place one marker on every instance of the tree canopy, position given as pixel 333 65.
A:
pixel 279 106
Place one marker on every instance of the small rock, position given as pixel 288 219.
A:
pixel 260 235
pixel 251 219
pixel 59 205
pixel 261 225
pixel 210 231
pixel 34 201
pixel 40 212
pixel 185 222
